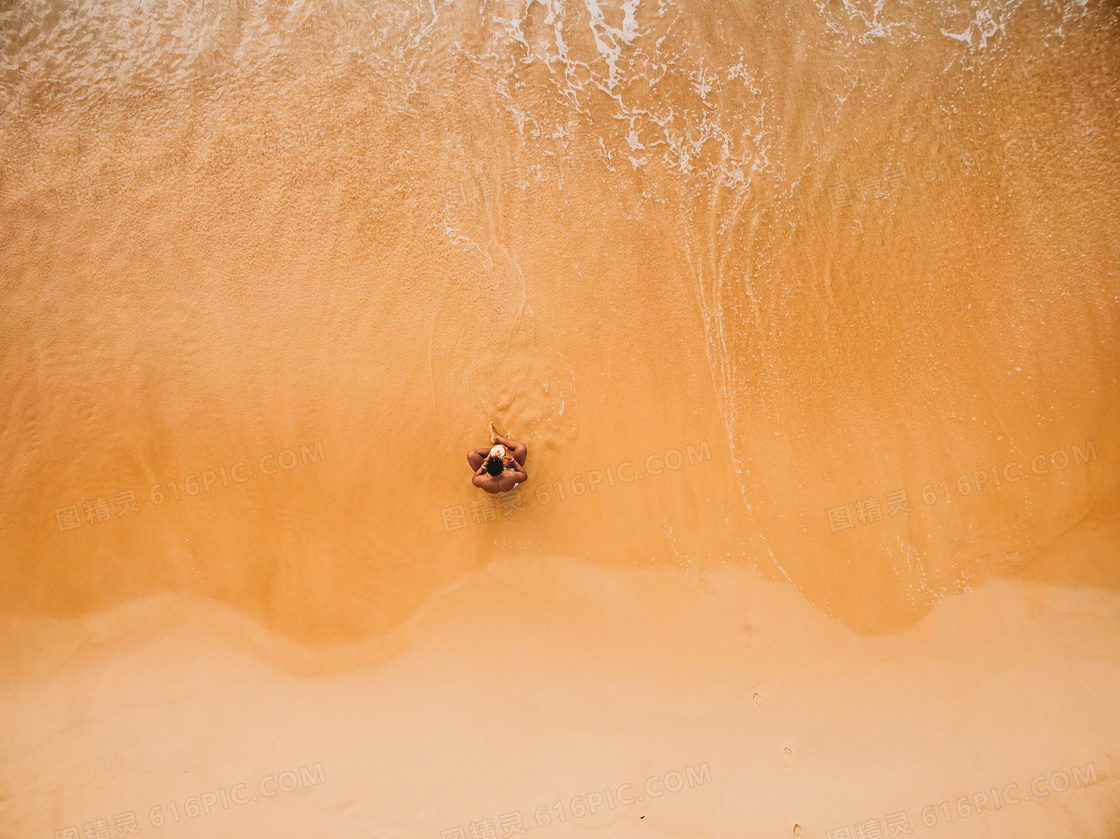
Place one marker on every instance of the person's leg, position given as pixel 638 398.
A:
pixel 476 457
pixel 518 450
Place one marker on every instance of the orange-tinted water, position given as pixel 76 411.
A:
pixel 817 299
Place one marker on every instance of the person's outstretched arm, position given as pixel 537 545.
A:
pixel 477 457
pixel 518 450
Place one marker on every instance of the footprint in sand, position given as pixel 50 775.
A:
pixel 491 356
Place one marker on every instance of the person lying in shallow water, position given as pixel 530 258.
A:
pixel 500 468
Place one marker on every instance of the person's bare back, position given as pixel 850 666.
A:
pixel 500 468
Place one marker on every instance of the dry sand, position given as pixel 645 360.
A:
pixel 553 684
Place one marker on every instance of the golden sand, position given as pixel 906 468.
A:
pixel 806 311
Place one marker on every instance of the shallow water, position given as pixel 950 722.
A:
pixel 850 248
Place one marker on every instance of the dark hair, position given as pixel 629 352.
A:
pixel 494 466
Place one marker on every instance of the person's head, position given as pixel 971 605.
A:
pixel 494 465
